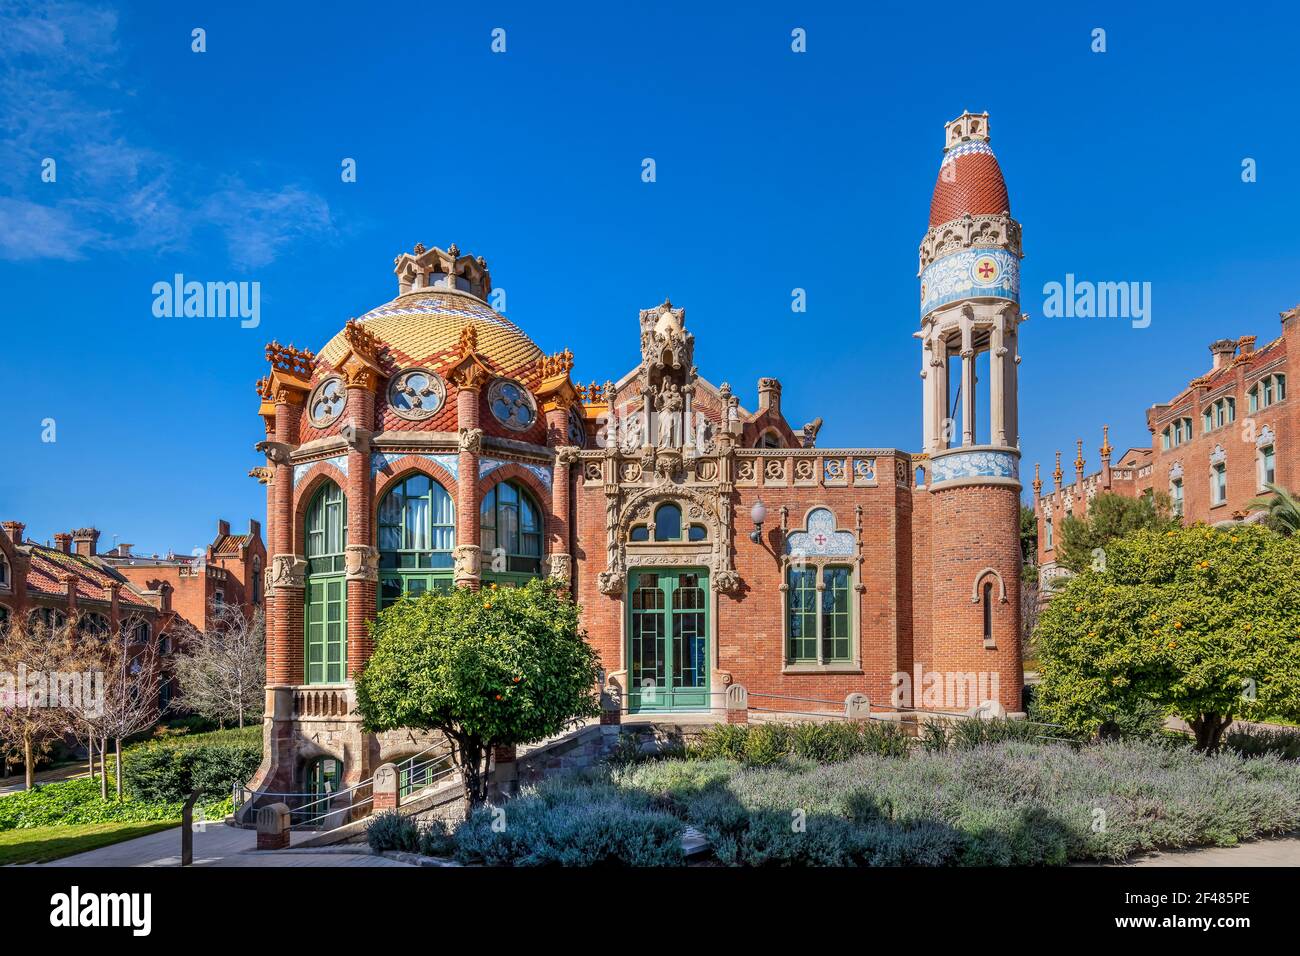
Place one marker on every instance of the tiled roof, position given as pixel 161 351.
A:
pixel 970 182
pixel 230 543
pixel 424 328
pixel 1226 373
pixel 48 564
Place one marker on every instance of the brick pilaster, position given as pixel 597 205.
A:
pixel 468 534
pixel 363 577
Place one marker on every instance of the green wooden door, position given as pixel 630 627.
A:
pixel 668 652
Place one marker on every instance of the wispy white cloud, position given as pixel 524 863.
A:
pixel 60 93
pixel 259 223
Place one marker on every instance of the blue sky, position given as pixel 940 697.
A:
pixel 775 170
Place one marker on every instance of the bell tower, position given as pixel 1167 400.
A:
pixel 970 316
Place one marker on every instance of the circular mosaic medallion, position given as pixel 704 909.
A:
pixel 512 405
pixel 985 270
pixel 327 402
pixel 416 394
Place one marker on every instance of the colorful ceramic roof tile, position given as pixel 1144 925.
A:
pixel 970 183
pixel 48 565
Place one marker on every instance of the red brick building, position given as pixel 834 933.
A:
pixel 1214 445
pixel 115 592
pixel 432 443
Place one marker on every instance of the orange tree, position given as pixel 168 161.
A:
pixel 1200 622
pixel 489 668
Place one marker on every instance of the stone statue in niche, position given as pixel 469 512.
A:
pixel 669 408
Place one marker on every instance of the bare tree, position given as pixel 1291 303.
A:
pixel 222 670
pixel 43 692
pixel 133 679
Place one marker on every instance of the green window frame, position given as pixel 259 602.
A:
pixel 819 614
pixel 325 597
pixel 416 524
pixel 802 615
pixel 510 533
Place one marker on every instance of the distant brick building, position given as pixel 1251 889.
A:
pixel 1214 445
pixel 432 444
pixel 116 592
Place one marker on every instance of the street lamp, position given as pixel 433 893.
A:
pixel 758 514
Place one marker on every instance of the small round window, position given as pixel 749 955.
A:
pixel 416 394
pixel 327 402
pixel 512 405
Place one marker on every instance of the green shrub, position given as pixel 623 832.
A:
pixel 78 801
pixel 392 831
pixel 763 745
pixel 1006 802
pixel 965 733
pixel 1253 742
pixel 167 773
pixel 572 821
pixel 437 839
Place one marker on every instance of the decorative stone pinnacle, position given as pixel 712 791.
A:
pixel 1105 442
pixel 1057 473
pixel 1038 482
pixel 1078 458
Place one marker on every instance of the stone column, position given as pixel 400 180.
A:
pixel 467 551
pixel 967 381
pixel 939 372
pixel 362 556
pixel 997 385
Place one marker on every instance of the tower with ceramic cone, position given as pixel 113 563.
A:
pixel 970 315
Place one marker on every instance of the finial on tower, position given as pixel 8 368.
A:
pixel 1038 482
pixel 1056 475
pixel 1105 443
pixel 969 126
pixel 1078 458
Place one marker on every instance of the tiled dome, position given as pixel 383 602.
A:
pixel 970 182
pixel 423 327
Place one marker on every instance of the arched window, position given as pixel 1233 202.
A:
pixel 510 531
pixel 257 581
pixel 48 617
pixel 4 620
pixel 326 595
pixel 1267 466
pixel 4 571
pixel 417 531
pixel 668 523
pixel 668 526
pixel 327 530
pixel 988 613
pixel 93 625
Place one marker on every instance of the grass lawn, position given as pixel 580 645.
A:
pixel 42 844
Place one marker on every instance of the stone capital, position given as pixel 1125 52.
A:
pixel 466 558
pixel 471 440
pixel 361 562
pixel 560 566
pixel 286 571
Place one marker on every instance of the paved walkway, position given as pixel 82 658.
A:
pixel 218 845
pixel 17 782
pixel 1279 852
